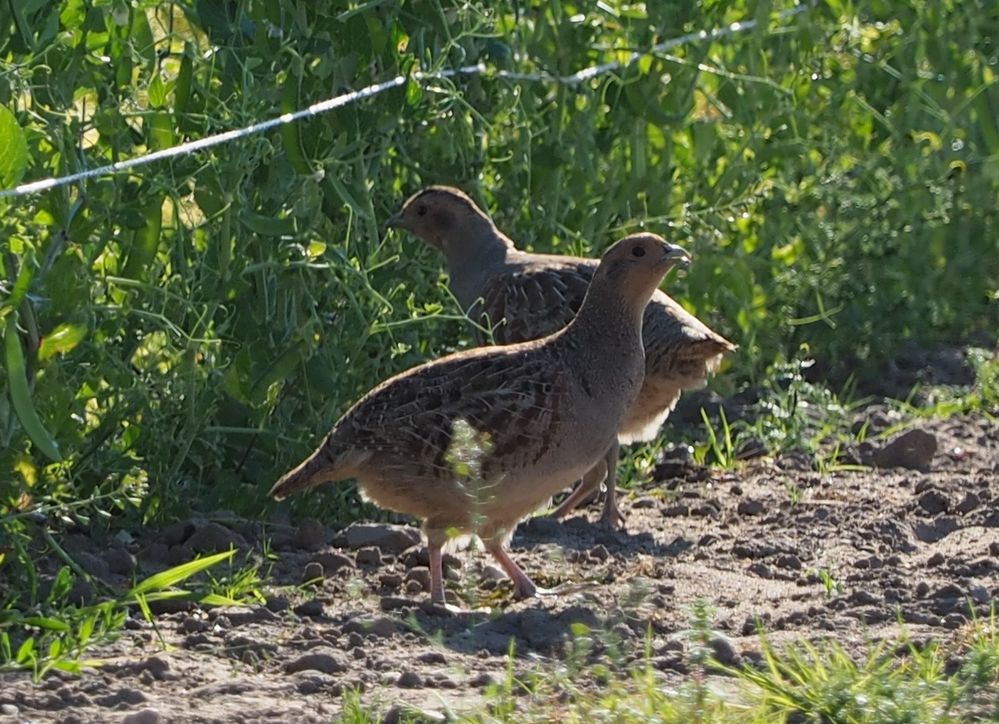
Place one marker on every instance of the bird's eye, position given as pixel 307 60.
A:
pixel 421 210
pixel 638 251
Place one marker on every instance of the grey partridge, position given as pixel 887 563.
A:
pixel 524 296
pixel 475 441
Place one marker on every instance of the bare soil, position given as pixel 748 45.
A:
pixel 855 556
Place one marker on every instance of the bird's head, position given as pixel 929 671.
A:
pixel 441 216
pixel 636 265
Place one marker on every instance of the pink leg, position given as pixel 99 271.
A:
pixel 611 517
pixel 436 569
pixel 523 587
pixel 586 487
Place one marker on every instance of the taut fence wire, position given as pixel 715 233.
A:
pixel 345 99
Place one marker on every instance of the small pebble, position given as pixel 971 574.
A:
pixel 482 680
pixel 143 716
pixel 420 574
pixel 193 625
pixel 390 580
pixel 323 659
pixel 313 571
pixel 409 680
pixel 310 608
pixel 749 506
pixel 599 552
pixel 369 556
pixel 277 604
pixel 953 621
pixel 311 535
pixel 332 561
pixel 934 502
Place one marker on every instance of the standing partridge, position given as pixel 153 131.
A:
pixel 475 441
pixel 524 296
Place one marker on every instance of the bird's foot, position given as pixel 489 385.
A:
pixel 521 593
pixel 442 608
pixel 524 588
pixel 612 518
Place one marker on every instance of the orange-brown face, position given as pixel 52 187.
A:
pixel 637 263
pixel 434 213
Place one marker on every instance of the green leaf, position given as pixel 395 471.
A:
pixel 45 622
pixel 26 650
pixel 159 90
pixel 13 151
pixel 141 37
pixel 216 599
pixel 414 92
pixel 175 575
pixel 61 340
pixel 290 132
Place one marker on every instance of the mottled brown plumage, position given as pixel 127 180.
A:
pixel 524 296
pixel 477 440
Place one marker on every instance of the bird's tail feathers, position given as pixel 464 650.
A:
pixel 710 351
pixel 315 470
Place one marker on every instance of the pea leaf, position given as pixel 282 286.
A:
pixel 61 340
pixel 13 153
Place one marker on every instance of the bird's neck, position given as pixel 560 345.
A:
pixel 473 258
pixel 608 319
pixel 607 336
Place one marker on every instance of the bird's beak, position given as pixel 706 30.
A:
pixel 676 255
pixel 395 222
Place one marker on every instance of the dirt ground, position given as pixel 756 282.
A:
pixel 810 554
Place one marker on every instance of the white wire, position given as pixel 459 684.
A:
pixel 344 99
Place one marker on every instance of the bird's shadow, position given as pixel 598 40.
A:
pixel 524 630
pixel 533 627
pixel 580 534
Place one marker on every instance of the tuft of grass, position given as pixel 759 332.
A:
pixel 823 682
pixel 897 681
pixel 981 397
pixel 56 634
pixel 719 449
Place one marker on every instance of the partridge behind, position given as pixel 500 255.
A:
pixel 524 296
pixel 476 441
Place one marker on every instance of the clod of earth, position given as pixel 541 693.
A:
pixel 913 449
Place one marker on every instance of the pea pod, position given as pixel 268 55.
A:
pixel 182 88
pixel 20 395
pixel 266 225
pixel 145 241
pixel 160 130
pixel 290 131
